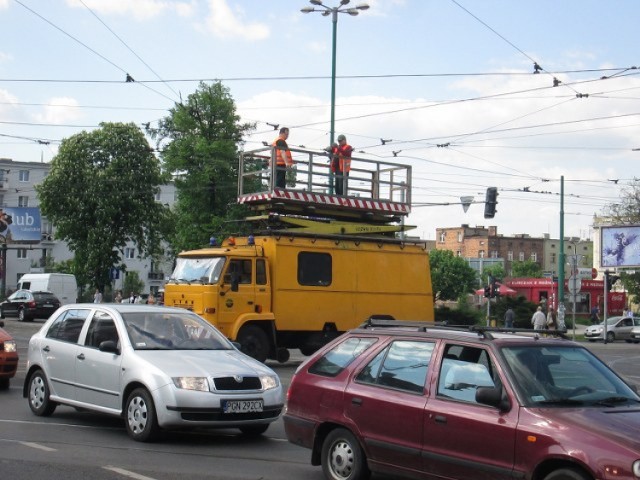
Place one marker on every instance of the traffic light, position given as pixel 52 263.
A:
pixel 490 202
pixel 611 279
pixel 487 291
pixel 496 291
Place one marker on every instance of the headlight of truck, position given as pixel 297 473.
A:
pixel 636 468
pixel 269 382
pixel 200 384
pixel 9 346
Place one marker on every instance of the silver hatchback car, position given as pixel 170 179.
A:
pixel 157 367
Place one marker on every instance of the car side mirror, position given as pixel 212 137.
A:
pixel 109 346
pixel 493 397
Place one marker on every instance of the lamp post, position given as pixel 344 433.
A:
pixel 333 11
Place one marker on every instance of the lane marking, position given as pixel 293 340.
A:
pixel 57 424
pixel 38 446
pixel 127 473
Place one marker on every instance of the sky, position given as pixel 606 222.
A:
pixel 448 84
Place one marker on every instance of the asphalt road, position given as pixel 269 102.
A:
pixel 74 445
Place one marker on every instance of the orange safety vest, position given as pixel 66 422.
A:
pixel 287 152
pixel 343 156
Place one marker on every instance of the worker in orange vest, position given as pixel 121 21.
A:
pixel 341 163
pixel 284 159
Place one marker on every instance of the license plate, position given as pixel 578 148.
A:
pixel 48 305
pixel 242 406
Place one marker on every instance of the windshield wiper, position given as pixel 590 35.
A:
pixel 560 401
pixel 611 401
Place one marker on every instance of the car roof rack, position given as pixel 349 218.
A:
pixel 386 322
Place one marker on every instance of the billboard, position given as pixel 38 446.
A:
pixel 20 225
pixel 620 246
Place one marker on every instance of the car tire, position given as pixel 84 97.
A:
pixel 4 383
pixel 39 401
pixel 611 337
pixel 140 416
pixel 21 314
pixel 254 430
pixel 342 457
pixel 254 342
pixel 567 474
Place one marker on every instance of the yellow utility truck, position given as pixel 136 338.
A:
pixel 319 265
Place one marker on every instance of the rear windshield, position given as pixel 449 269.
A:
pixel 45 296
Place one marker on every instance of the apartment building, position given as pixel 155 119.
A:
pixel 17 189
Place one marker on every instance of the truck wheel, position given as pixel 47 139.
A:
pixel 282 355
pixel 254 342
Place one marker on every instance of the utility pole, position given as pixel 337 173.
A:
pixel 561 261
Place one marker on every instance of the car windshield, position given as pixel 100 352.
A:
pixel 172 331
pixel 204 270
pixel 565 376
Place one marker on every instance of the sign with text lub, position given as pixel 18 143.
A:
pixel 20 225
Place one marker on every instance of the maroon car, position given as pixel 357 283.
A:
pixel 423 401
pixel 8 358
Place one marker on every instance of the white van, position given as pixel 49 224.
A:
pixel 62 285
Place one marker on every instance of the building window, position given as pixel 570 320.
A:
pixel 553 245
pixel 494 254
pixel 458 253
pixel 534 256
pixel 553 258
pixel 481 253
pixel 129 253
pixel 23 201
pixel 481 242
pixel 24 175
pixel 443 236
pixel 157 197
pixel 521 256
pixel 459 236
pixel 1 199
pixel 510 255
pixel 22 253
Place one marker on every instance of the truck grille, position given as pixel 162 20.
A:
pixel 237 383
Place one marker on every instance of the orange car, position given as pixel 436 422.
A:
pixel 8 357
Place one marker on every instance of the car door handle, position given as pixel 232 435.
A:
pixel 80 357
pixel 440 419
pixel 46 349
pixel 356 401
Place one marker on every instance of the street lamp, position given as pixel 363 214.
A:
pixel 333 11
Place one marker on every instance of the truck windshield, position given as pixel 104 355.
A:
pixel 203 270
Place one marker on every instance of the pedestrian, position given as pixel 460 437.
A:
pixel 595 315
pixel 539 320
pixel 284 159
pixel 509 318
pixel 151 299
pixel 552 320
pixel 97 296
pixel 118 297
pixel 341 163
pixel 132 298
pixel 138 299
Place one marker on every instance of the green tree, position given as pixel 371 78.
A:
pixel 199 144
pixel 100 194
pixel 451 276
pixel 625 211
pixel 526 269
pixel 631 282
pixel 132 283
pixel 496 271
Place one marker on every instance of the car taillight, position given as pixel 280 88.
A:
pixel 31 304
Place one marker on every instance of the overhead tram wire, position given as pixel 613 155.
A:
pixel 91 50
pixel 130 49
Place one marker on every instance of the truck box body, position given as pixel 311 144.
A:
pixel 62 285
pixel 302 291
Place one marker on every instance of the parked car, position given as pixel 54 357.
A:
pixel 27 305
pixel 618 328
pixel 158 368
pixel 8 358
pixel 408 399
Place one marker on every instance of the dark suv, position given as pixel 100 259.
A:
pixel 427 401
pixel 27 305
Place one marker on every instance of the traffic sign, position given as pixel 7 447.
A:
pixel 574 284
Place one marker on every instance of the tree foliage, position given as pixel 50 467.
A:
pixel 199 142
pixel 496 271
pixel 100 194
pixel 451 276
pixel 132 284
pixel 526 269
pixel 627 210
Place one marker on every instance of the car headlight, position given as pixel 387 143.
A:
pixel 636 468
pixel 269 382
pixel 10 346
pixel 200 384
